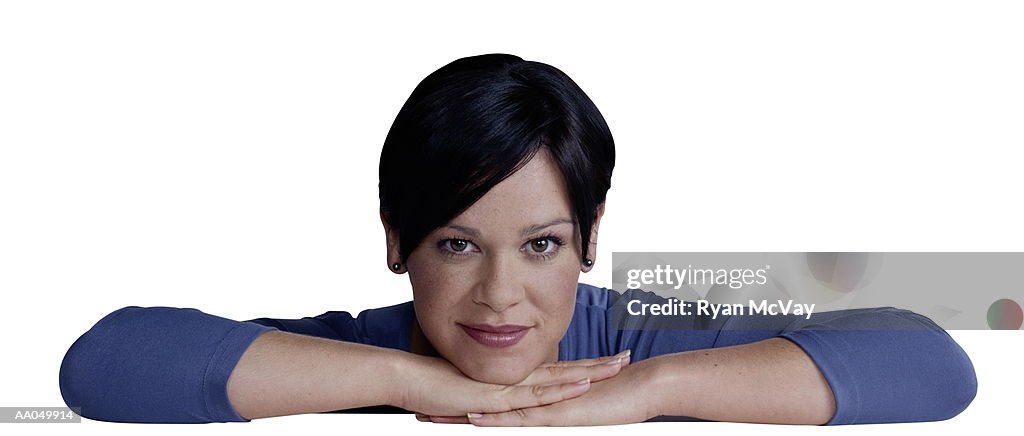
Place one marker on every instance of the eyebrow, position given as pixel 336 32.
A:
pixel 526 230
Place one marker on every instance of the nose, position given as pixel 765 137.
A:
pixel 500 286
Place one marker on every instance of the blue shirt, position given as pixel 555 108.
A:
pixel 171 365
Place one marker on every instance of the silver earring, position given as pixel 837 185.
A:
pixel 396 266
pixel 588 263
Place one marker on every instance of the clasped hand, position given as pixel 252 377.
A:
pixel 601 391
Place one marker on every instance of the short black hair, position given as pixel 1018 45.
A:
pixel 474 122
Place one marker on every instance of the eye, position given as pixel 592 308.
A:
pixel 458 244
pixel 456 247
pixel 544 247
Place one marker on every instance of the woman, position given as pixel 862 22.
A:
pixel 492 187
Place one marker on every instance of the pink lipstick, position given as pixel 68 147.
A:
pixel 501 336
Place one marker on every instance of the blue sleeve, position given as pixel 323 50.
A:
pixel 171 365
pixel 340 326
pixel 156 365
pixel 883 364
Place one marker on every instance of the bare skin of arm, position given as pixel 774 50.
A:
pixel 285 374
pixel 318 375
pixel 770 381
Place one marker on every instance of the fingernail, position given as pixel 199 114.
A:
pixel 472 415
pixel 583 382
pixel 422 418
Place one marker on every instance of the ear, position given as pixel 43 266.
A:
pixel 592 250
pixel 391 238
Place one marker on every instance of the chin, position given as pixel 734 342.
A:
pixel 503 372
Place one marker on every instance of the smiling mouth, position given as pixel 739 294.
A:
pixel 496 336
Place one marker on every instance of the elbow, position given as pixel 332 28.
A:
pixel 81 377
pixel 916 372
pixel 70 375
pixel 962 382
pixel 68 379
pixel 952 374
pixel 154 364
pixel 72 381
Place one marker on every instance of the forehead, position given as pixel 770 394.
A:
pixel 534 194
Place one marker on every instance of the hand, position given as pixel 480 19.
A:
pixel 443 394
pixel 621 399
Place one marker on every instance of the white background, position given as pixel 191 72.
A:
pixel 223 155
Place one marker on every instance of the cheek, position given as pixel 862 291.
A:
pixel 437 294
pixel 555 295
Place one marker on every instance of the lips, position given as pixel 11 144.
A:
pixel 501 336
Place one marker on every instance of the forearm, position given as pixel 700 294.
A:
pixel 771 381
pixel 285 374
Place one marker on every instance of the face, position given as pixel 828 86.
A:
pixel 494 290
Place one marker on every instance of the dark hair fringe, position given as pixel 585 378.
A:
pixel 476 121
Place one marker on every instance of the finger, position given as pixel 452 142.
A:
pixel 516 418
pixel 519 396
pixel 449 419
pixel 421 417
pixel 549 375
pixel 588 362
